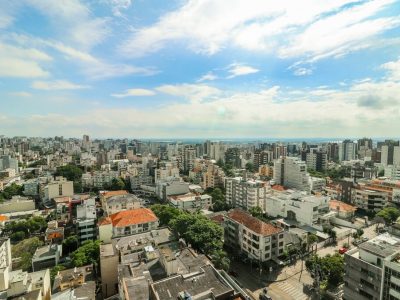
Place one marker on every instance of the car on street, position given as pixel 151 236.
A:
pixel 343 250
pixel 364 239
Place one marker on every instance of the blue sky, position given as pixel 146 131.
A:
pixel 200 68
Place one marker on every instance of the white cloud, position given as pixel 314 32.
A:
pixel 134 93
pixel 74 21
pixel 290 28
pixel 22 62
pixel 301 71
pixel 239 70
pixel 192 92
pixel 20 94
pixel 118 6
pixel 57 85
pixel 208 77
pixel 393 68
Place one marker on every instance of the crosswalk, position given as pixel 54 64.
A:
pixel 292 290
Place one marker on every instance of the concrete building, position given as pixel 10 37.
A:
pixel 5 263
pixel 8 162
pixel 372 271
pixel 317 184
pixel 291 172
pixel 117 203
pixel 393 172
pixel 369 199
pixel 72 278
pixel 171 188
pixel 86 220
pixel 232 157
pixel 213 177
pixel 245 193
pixel 109 259
pixel 347 150
pixel 59 187
pixel 126 223
pixel 17 204
pixel 190 201
pixel 31 187
pixel 189 154
pixel 390 154
pixel 295 206
pixel 258 240
pixel 99 179
pixel 165 172
pixel 46 257
pixel 317 160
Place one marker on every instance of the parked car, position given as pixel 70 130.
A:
pixel 343 250
pixel 357 242
pixel 364 239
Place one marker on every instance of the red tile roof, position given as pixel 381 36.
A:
pixel 133 216
pixel 114 193
pixel 335 204
pixel 278 187
pixel 252 223
pixel 104 221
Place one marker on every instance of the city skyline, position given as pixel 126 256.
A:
pixel 200 69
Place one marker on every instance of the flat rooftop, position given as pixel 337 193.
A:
pixel 383 245
pixel 205 283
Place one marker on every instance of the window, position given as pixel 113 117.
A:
pixel 267 248
pixel 281 236
pixel 280 244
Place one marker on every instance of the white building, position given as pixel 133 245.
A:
pixel 393 172
pixel 191 201
pixel 5 263
pixel 170 188
pixel 119 203
pixel 99 179
pixel 347 150
pixel 86 220
pixel 296 206
pixel 258 240
pixel 368 199
pixel 291 172
pixel 169 170
pixel 317 184
pixel 246 193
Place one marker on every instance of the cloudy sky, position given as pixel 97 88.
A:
pixel 200 68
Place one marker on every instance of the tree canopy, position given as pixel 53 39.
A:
pixel 329 268
pixel 11 190
pixel 218 199
pixel 88 253
pixel 165 213
pixel 71 172
pixel 25 250
pixel 389 214
pixel 256 211
pixel 21 229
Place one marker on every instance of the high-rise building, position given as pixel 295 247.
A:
pixel 8 162
pixel 347 150
pixel 390 153
pixel 333 152
pixel 232 157
pixel 317 160
pixel 189 154
pixel 245 193
pixel 291 172
pixel 262 157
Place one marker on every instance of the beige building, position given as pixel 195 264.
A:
pixel 258 240
pixel 117 203
pixel 109 259
pixel 60 187
pixel 17 204
pixel 191 201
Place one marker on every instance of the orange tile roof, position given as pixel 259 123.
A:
pixel 3 218
pixel 104 221
pixel 133 216
pixel 114 193
pixel 334 204
pixel 253 223
pixel 278 187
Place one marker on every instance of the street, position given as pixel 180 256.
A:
pixel 287 283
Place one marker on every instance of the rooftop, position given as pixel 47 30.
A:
pixel 133 216
pixel 341 206
pixel 205 283
pixel 109 194
pixel 383 245
pixel 253 223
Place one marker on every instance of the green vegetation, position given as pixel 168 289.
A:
pixel 199 232
pixel 227 168
pixel 117 184
pixel 329 268
pixel 256 212
pixel 218 199
pixel 25 250
pixel 19 230
pixel 88 253
pixel 334 174
pixel 250 167
pixel 40 162
pixel 331 233
pixel 70 244
pixel 389 214
pixel 54 271
pixel 12 190
pixel 358 233
pixel 72 173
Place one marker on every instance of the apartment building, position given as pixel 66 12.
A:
pixel 347 150
pixel 191 201
pixel 117 203
pixel 372 271
pixel 99 179
pixel 258 240
pixel 59 187
pixel 291 172
pixel 369 200
pixel 245 193
pixel 213 176
pixel 86 219
pixel 126 223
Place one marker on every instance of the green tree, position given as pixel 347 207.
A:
pixel 220 260
pixel 71 172
pixel 12 190
pixel 329 268
pixel 165 213
pixel 117 184
pixel 249 167
pixel 218 200
pixel 311 240
pixel 25 250
pixel 17 236
pixel 358 233
pixel 70 244
pixel 256 211
pixel 88 253
pixel 389 214
pixel 54 271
